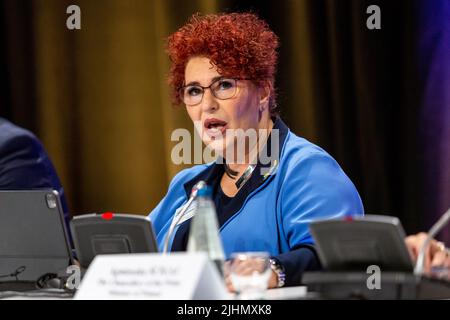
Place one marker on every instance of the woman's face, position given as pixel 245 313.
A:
pixel 212 117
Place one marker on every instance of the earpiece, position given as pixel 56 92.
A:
pixel 49 281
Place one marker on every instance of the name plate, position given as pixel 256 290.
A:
pixel 178 276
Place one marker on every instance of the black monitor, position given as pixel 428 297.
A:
pixel 111 233
pixel 33 235
pixel 354 243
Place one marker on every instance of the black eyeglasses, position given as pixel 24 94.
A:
pixel 222 88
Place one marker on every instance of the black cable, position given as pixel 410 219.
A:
pixel 42 287
pixel 15 274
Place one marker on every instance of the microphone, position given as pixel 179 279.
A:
pixel 420 264
pixel 177 218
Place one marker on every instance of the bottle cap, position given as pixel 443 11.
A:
pixel 205 191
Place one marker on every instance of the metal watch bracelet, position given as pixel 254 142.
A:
pixel 279 271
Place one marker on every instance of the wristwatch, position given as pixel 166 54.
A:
pixel 276 267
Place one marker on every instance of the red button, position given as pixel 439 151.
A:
pixel 107 215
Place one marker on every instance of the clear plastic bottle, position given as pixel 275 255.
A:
pixel 204 233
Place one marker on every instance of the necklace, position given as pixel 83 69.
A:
pixel 230 172
pixel 243 178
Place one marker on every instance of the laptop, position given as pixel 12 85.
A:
pixel 34 239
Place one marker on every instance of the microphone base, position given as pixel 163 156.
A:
pixel 393 286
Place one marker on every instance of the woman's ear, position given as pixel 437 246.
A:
pixel 264 95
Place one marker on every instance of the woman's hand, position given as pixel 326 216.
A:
pixel 273 281
pixel 226 274
pixel 436 254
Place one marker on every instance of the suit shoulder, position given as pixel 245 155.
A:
pixel 298 151
pixel 187 174
pixel 13 138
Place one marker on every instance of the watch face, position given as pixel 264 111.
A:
pixel 275 264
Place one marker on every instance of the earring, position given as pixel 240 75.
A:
pixel 261 110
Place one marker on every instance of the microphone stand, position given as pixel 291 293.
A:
pixel 199 185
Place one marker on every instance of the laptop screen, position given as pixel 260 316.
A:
pixel 33 235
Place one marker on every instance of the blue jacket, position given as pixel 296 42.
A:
pixel 24 164
pixel 272 212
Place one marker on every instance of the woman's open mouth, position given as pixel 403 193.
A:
pixel 215 127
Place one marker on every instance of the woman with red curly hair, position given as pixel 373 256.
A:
pixel 267 184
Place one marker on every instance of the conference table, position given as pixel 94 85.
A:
pixel 342 286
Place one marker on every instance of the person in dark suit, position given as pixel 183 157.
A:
pixel 24 163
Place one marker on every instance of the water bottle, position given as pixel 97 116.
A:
pixel 204 232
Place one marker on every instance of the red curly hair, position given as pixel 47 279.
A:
pixel 238 44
